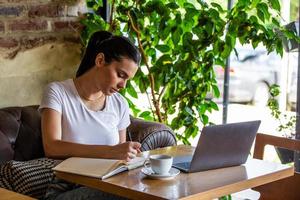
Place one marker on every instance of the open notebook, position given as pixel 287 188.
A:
pixel 98 168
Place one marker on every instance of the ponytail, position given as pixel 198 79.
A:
pixel 113 48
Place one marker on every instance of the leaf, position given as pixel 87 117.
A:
pixel 163 48
pixel 145 114
pixel 264 9
pixel 188 5
pixel 130 89
pixel 187 38
pixel 214 105
pixel 255 42
pixel 216 91
pixel 244 3
pixel 172 5
pixel 274 90
pixel 164 59
pixel 230 41
pixel 253 19
pixel 275 21
pixel 209 28
pixel 279 48
pixel 181 2
pixel 214 14
pixel 132 107
pixel 275 4
pixel 232 28
pixel 177 122
pixel 219 7
pixel 202 3
pixel 176 35
pixel 260 15
pixel 190 17
pixel 165 33
pixel 143 84
pixel 242 16
pixel 201 109
pixel 151 51
pixel 94 4
pixel 290 34
pixel 178 19
pixel 204 119
pixel 189 110
pixel 195 131
pixel 226 52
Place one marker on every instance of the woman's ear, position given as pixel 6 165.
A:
pixel 100 60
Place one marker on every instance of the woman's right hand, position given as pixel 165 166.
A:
pixel 126 151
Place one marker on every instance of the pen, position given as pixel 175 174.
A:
pixel 129 135
pixel 130 139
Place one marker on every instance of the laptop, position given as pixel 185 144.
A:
pixel 220 146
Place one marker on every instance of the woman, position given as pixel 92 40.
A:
pixel 85 116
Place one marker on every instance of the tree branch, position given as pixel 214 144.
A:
pixel 161 93
pixel 112 15
pixel 151 78
pixel 112 12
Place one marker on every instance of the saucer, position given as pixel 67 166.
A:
pixel 172 173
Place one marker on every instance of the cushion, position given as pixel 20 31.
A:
pixel 27 177
pixel 151 135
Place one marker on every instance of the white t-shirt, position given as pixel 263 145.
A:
pixel 82 125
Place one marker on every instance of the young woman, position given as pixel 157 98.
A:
pixel 86 116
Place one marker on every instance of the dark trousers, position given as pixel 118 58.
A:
pixel 62 190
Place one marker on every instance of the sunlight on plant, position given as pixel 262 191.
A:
pixel 180 43
pixel 286 121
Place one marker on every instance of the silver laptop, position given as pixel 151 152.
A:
pixel 220 146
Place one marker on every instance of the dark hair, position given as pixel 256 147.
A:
pixel 113 47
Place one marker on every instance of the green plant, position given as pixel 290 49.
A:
pixel 228 197
pixel 180 42
pixel 287 122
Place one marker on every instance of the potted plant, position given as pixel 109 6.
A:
pixel 286 126
pixel 180 43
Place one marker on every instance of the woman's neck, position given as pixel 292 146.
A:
pixel 86 89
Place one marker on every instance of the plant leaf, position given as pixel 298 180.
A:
pixel 260 15
pixel 262 7
pixel 275 4
pixel 130 89
pixel 163 48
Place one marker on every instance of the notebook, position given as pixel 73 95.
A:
pixel 220 146
pixel 97 167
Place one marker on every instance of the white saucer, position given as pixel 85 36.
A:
pixel 172 173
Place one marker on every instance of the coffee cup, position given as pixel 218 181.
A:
pixel 160 164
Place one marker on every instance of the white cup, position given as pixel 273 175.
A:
pixel 160 164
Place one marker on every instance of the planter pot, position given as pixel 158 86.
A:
pixel 285 155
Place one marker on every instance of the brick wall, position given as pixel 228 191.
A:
pixel 39 43
pixel 25 24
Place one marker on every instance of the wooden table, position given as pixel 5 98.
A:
pixel 8 195
pixel 201 185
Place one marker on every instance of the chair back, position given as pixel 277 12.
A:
pixel 287 188
pixel 20 134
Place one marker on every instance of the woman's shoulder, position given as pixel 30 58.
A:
pixel 118 96
pixel 60 85
pixel 118 99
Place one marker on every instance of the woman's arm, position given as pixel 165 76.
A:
pixel 122 136
pixel 56 148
